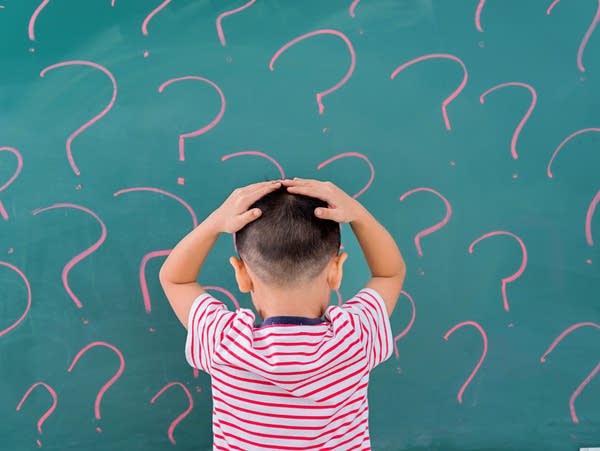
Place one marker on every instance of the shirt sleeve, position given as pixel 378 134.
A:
pixel 373 324
pixel 207 321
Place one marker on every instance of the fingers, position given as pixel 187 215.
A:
pixel 317 191
pixel 263 186
pixel 327 213
pixel 251 193
pixel 250 215
pixel 308 187
pixel 331 214
pixel 268 183
pixel 320 185
pixel 258 185
pixel 244 218
pixel 299 181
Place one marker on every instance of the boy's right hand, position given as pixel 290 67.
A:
pixel 341 207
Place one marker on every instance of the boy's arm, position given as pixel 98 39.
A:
pixel 179 273
pixel 383 257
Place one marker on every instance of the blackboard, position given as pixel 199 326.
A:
pixel 470 129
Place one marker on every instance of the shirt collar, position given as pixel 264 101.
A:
pixel 292 320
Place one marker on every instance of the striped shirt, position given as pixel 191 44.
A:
pixel 282 386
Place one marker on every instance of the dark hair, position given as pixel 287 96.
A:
pixel 288 245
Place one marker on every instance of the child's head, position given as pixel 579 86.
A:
pixel 287 246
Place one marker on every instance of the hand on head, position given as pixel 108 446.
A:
pixel 341 206
pixel 234 213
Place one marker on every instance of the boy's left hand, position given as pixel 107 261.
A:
pixel 233 214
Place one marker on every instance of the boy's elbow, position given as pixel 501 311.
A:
pixel 402 270
pixel 162 276
pixel 402 263
pixel 399 278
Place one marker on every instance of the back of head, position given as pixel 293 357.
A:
pixel 288 245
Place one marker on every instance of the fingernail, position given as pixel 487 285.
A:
pixel 318 211
pixel 256 212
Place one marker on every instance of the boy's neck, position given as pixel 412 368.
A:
pixel 305 302
pixel 289 308
pixel 290 320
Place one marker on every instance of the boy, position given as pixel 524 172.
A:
pixel 299 380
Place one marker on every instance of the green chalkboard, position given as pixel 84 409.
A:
pixel 470 129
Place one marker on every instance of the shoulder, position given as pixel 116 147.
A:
pixel 206 307
pixel 367 300
pixel 365 311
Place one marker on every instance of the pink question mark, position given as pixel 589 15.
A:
pixel 516 275
pixel 352 8
pixel 589 377
pixel 587 35
pixel 408 327
pixel 82 255
pixel 36 13
pixel 111 381
pixel 182 415
pixel 515 137
pixel 258 154
pixel 356 155
pixel 27 307
pixel 149 18
pixel 48 412
pixel 565 141
pixel 158 253
pixel 594 203
pixel 17 154
pixel 588 218
pixel 483 354
pixel 229 13
pixel 95 118
pixel 478 15
pixel 452 96
pixel 320 95
pixel 202 130
pixel 434 227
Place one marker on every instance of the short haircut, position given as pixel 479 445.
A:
pixel 287 245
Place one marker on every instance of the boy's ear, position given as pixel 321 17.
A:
pixel 334 277
pixel 241 275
